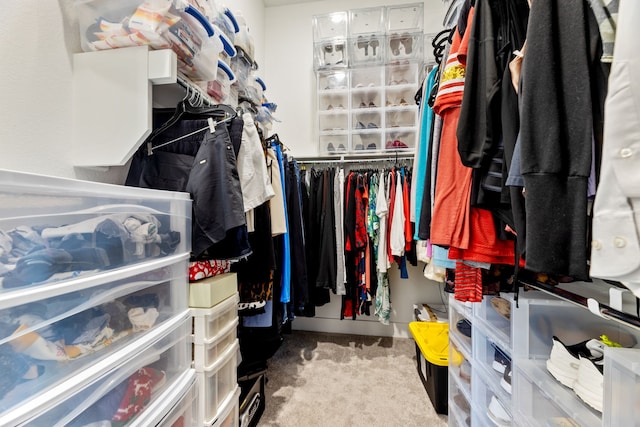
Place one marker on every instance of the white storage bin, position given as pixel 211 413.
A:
pixel 139 373
pixel 332 80
pixel 460 366
pixel 463 342
pixel 621 387
pixel 367 49
pixel 402 47
pixel 496 323
pixel 58 229
pixel 208 322
pixel 334 142
pixel 78 325
pixel 228 413
pixel 484 349
pixel 330 54
pixel 459 406
pixel 206 353
pixel 547 316
pixel 405 17
pixel 402 117
pixel 367 139
pixel 484 390
pixel 366 20
pixel 330 26
pixel 217 382
pixel 539 398
pixel 331 121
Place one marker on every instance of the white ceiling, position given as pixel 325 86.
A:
pixel 270 3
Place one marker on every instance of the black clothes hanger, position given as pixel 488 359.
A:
pixel 185 110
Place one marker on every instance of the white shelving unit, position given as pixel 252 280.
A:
pixel 537 397
pixel 43 309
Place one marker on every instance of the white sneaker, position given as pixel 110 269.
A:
pixel 564 360
pixel 589 386
pixel 498 414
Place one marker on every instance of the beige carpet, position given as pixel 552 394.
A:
pixel 318 380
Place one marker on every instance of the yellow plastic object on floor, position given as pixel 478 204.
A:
pixel 433 340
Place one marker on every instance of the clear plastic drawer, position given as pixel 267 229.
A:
pixel 495 312
pixel 621 387
pixel 541 399
pixel 49 335
pixel 207 352
pixel 209 322
pixel 228 415
pixel 124 392
pixel 217 383
pixel 56 229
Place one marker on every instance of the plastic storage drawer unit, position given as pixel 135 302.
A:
pixel 217 382
pixel 124 393
pixel 208 322
pixel 73 327
pixel 206 353
pixel 432 354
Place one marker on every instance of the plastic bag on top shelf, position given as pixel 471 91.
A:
pixel 160 24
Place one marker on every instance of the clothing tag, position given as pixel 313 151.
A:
pixel 212 124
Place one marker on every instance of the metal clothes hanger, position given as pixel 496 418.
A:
pixel 192 106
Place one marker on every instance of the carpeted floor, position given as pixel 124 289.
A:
pixel 330 380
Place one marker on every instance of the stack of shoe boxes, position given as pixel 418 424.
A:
pixel 542 363
pixel 369 64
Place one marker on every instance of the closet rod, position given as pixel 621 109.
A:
pixel 602 310
pixel 343 159
pixel 190 86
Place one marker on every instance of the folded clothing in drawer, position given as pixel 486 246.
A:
pixel 124 393
pixel 47 340
pixel 34 253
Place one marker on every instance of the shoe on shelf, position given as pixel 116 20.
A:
pixel 498 414
pixel 372 146
pixel 564 360
pixel 589 385
pixel 464 327
pixel 500 360
pixel 359 147
pixel 461 402
pixel 502 307
pixel 341 147
pixel 330 147
pixel 505 381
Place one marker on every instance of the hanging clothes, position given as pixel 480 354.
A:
pixel 285 284
pixel 560 115
pixel 204 165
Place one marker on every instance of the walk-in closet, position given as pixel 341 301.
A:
pixel 279 213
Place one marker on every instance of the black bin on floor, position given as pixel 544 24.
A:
pixel 432 355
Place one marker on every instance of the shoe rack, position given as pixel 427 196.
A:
pixel 368 63
pixel 479 395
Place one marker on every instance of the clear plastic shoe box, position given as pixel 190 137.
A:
pixel 621 387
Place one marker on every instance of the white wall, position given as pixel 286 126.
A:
pixel 37 41
pixel 291 84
